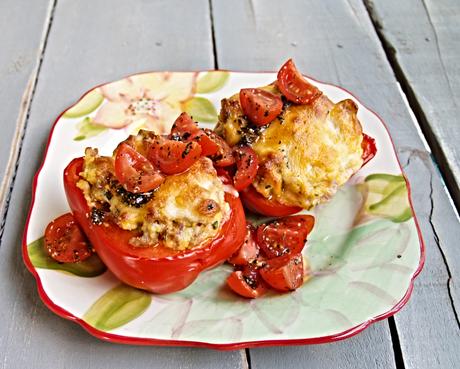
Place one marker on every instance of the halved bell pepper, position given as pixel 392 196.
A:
pixel 155 268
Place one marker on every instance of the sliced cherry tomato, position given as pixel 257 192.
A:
pixel 249 251
pixel 224 156
pixel 134 171
pixel 183 127
pixel 294 86
pixel 65 242
pixel 257 203
pixel 369 148
pixel 247 164
pixel 284 235
pixel 174 156
pixel 246 283
pixel 208 146
pixel 284 273
pixel 260 106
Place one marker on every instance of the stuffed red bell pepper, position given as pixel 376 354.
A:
pixel 156 212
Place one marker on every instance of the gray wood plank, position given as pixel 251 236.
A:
pixel 91 42
pixel 336 42
pixel 424 39
pixel 367 350
pixel 21 44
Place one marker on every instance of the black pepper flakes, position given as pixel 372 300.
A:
pixel 97 216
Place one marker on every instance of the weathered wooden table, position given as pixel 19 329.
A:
pixel 401 58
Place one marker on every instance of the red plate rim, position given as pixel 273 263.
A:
pixel 110 337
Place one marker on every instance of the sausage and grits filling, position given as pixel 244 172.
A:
pixel 305 153
pixel 184 211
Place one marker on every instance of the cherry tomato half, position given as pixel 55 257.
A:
pixel 248 251
pixel 224 156
pixel 284 235
pixel 65 242
pixel 134 171
pixel 284 273
pixel 173 156
pixel 247 164
pixel 183 127
pixel 257 203
pixel 294 86
pixel 369 148
pixel 246 283
pixel 260 106
pixel 209 147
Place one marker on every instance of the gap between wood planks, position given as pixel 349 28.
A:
pixel 435 146
pixel 399 359
pixel 6 187
pixel 245 354
pixel 438 157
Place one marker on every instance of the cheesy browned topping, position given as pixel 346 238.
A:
pixel 305 154
pixel 186 210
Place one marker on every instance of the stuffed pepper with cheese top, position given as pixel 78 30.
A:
pixel 157 212
pixel 305 146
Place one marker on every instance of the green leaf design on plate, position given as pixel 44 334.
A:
pixel 91 267
pixel 211 81
pixel 388 197
pixel 86 105
pixel 118 306
pixel 201 109
pixel 86 129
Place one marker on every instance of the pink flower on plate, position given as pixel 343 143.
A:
pixel 150 100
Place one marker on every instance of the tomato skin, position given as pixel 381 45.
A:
pixel 257 203
pixel 260 106
pixel 248 251
pixel 285 235
pixel 155 269
pixel 173 157
pixel 208 146
pixel 237 281
pixel 294 86
pixel 183 127
pixel 65 242
pixel 224 156
pixel 134 171
pixel 284 273
pixel 369 148
pixel 247 164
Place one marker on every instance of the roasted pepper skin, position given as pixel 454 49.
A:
pixel 155 268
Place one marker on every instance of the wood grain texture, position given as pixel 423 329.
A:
pixel 21 45
pixel 336 42
pixel 367 350
pixel 423 38
pixel 91 42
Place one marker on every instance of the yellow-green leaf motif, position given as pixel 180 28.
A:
pixel 388 197
pixel 117 307
pixel 86 105
pixel 86 128
pixel 211 81
pixel 201 109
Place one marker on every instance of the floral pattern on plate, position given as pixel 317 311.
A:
pixel 362 255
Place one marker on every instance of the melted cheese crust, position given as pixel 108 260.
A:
pixel 305 154
pixel 185 211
